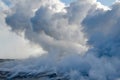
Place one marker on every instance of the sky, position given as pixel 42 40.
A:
pixel 105 2
pixel 7 38
pixel 67 1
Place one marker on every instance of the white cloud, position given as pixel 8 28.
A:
pixel 3 6
pixel 12 45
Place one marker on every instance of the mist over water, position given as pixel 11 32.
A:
pixel 80 40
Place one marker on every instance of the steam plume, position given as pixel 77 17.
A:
pixel 65 32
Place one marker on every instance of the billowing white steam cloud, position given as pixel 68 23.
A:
pixel 102 30
pixel 48 27
pixel 65 32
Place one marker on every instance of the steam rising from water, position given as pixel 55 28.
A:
pixel 66 32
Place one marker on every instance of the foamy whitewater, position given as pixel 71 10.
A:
pixel 80 40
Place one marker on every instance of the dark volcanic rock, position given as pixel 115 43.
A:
pixel 46 75
pixel 4 60
pixel 7 75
